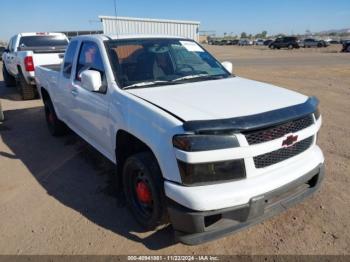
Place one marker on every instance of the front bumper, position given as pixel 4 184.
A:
pixel 195 227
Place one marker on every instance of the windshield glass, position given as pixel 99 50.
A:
pixel 43 41
pixel 153 62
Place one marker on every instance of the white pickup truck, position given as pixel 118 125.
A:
pixel 194 145
pixel 27 50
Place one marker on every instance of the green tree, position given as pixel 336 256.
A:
pixel 243 35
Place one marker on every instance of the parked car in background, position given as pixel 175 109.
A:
pixel 334 42
pixel 289 42
pixel 184 154
pixel 346 46
pixel 267 42
pixel 311 42
pixel 2 49
pixel 234 42
pixel 26 51
pixel 226 42
pixel 214 42
pixel 259 42
pixel 244 42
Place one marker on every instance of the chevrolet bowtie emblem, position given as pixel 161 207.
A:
pixel 290 140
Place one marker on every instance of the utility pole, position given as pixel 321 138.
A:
pixel 116 16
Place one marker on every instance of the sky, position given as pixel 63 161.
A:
pixel 230 16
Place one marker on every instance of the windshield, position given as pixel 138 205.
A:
pixel 43 41
pixel 153 62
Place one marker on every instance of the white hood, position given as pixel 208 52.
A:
pixel 219 99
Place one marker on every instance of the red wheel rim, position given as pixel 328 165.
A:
pixel 143 193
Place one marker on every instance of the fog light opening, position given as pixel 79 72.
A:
pixel 211 220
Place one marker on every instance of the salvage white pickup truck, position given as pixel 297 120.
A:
pixel 194 145
pixel 27 50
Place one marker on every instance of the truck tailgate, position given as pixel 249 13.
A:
pixel 47 58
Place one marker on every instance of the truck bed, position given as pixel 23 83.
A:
pixel 55 67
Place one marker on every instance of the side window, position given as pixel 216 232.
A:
pixel 10 45
pixel 68 59
pixel 13 44
pixel 89 59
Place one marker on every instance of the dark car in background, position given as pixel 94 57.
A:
pixel 289 42
pixel 346 46
pixel 2 49
pixel 234 42
pixel 267 42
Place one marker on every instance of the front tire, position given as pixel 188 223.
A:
pixel 144 190
pixel 9 79
pixel 56 127
pixel 290 47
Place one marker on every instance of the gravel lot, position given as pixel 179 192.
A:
pixel 56 198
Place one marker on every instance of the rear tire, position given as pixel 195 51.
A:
pixel 28 92
pixel 290 47
pixel 142 170
pixel 55 126
pixel 9 79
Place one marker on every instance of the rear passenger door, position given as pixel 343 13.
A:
pixel 63 96
pixel 91 108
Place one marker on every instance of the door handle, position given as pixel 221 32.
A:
pixel 74 92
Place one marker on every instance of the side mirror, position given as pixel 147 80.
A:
pixel 228 66
pixel 91 80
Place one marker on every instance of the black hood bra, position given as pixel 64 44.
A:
pixel 253 122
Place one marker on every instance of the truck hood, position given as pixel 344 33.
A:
pixel 219 99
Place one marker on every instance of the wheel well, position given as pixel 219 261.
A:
pixel 128 145
pixel 45 95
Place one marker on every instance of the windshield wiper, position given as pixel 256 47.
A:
pixel 189 77
pixel 199 76
pixel 150 83
pixel 174 81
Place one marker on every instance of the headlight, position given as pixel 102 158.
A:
pixel 209 173
pixel 195 143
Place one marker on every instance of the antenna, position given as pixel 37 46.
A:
pixel 116 16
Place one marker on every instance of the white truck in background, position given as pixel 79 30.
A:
pixel 196 146
pixel 24 52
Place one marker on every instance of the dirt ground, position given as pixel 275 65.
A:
pixel 55 195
